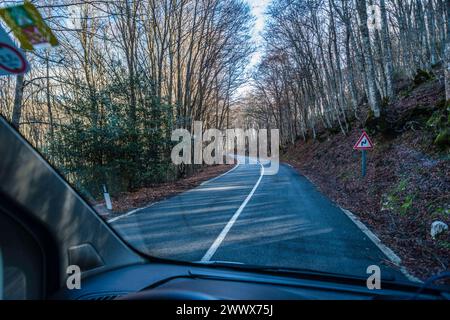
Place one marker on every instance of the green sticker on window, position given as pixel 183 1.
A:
pixel 28 26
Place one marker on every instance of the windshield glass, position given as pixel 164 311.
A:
pixel 295 134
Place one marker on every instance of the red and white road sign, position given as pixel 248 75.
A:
pixel 364 142
pixel 12 60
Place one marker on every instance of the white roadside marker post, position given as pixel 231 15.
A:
pixel 107 198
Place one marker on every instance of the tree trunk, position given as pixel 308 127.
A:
pixel 374 96
pixel 49 104
pixel 18 97
pixel 388 65
pixel 430 33
pixel 447 55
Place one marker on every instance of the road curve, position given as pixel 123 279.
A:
pixel 279 220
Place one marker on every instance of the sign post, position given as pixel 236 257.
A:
pixel 363 144
pixel 363 162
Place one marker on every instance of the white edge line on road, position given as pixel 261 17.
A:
pixel 208 255
pixel 130 213
pixel 152 204
pixel 220 176
pixel 387 251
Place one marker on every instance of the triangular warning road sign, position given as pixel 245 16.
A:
pixel 364 142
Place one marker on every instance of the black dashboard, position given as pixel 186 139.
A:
pixel 185 282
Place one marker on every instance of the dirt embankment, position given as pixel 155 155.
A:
pixel 407 186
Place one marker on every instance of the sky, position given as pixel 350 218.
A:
pixel 258 8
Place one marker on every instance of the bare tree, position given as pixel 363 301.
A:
pixel 447 55
pixel 18 97
pixel 374 99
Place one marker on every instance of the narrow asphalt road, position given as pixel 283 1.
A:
pixel 279 220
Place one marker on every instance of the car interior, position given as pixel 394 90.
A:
pixel 45 227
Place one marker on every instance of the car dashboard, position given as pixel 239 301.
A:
pixel 155 281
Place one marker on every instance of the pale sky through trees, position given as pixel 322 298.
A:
pixel 258 8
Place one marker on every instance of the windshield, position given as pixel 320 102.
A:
pixel 293 134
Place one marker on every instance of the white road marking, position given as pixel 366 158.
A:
pixel 386 250
pixel 142 208
pixel 130 213
pixel 220 176
pixel 208 255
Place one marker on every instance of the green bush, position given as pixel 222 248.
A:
pixel 399 199
pixel 443 138
pixel 102 144
pixel 439 125
pixel 422 76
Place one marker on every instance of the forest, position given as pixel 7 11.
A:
pixel 101 106
pixel 326 61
